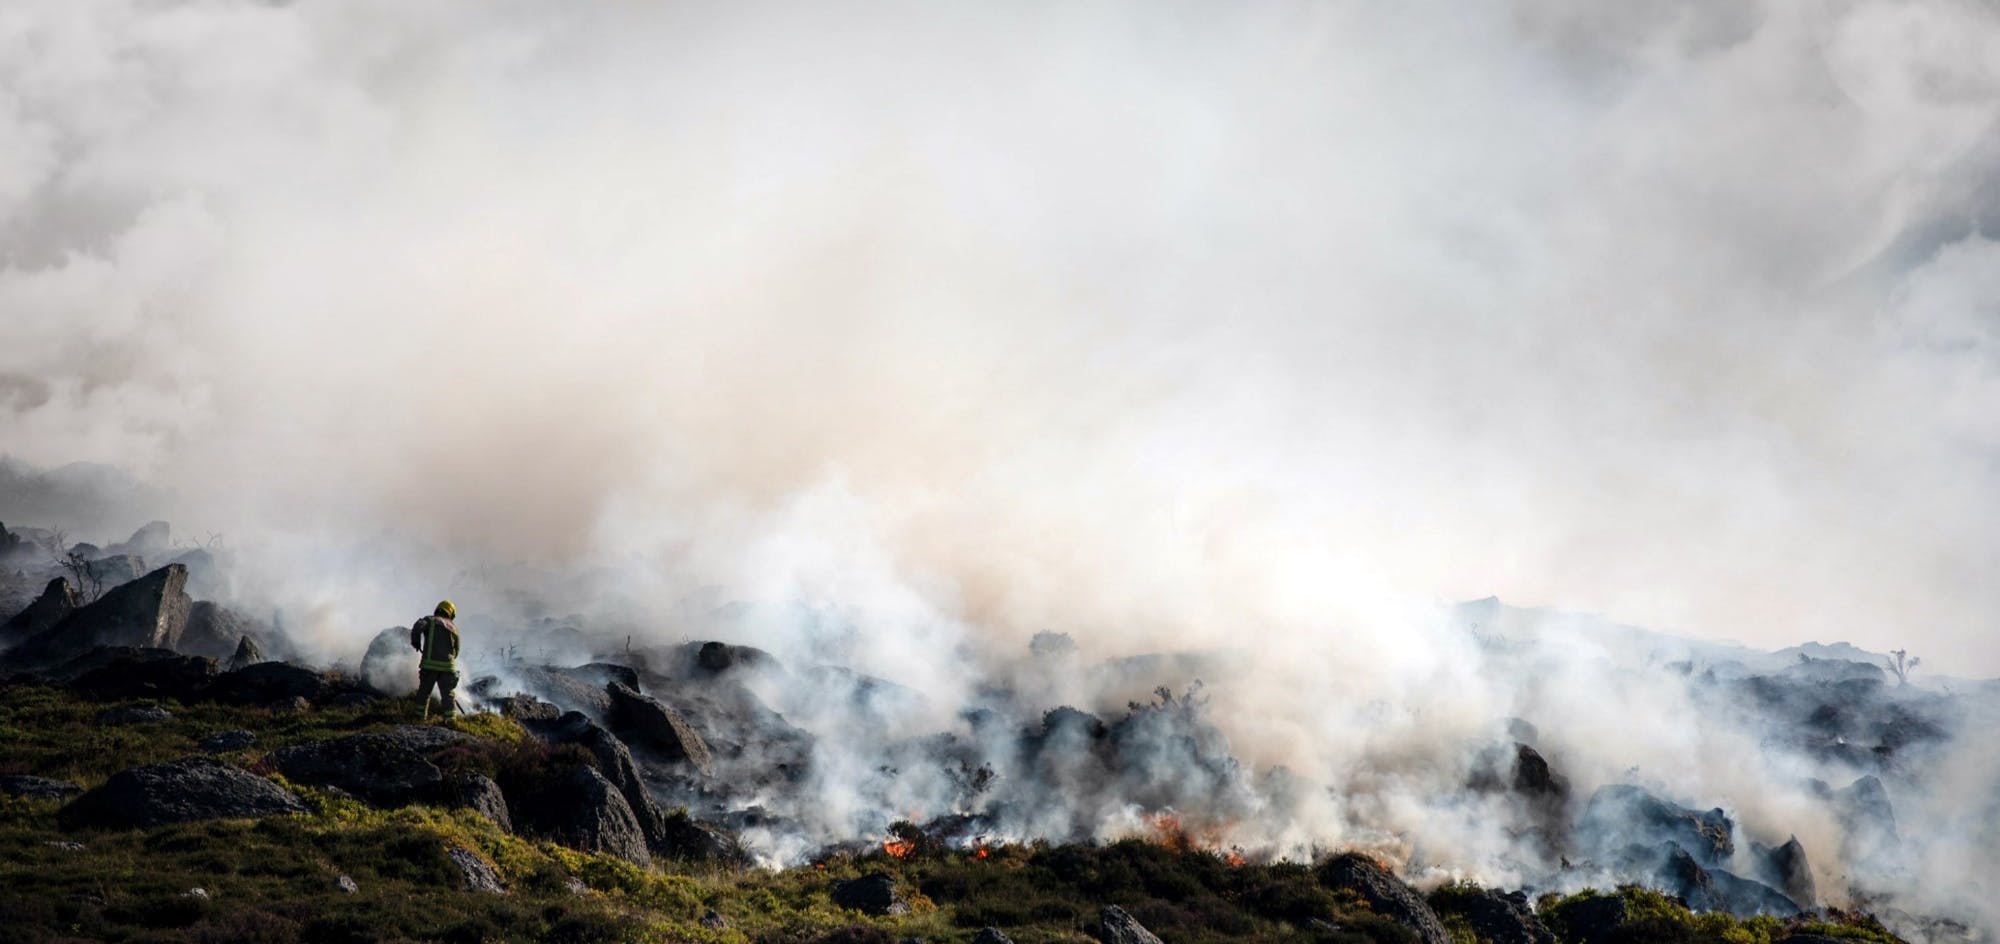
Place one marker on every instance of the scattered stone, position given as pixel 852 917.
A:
pixel 192 788
pixel 201 893
pixel 645 720
pixel 37 788
pixel 478 873
pixel 874 894
pixel 347 885
pixel 1122 928
pixel 1385 894
pixel 64 845
pixel 576 886
pixel 481 795
pixel 991 936
pixel 714 921
pixel 235 739
pixel 134 714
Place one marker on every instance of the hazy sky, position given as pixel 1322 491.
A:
pixel 1149 321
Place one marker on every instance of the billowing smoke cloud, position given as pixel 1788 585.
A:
pixel 1176 326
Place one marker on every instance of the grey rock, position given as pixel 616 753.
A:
pixel 38 788
pixel 478 874
pixel 235 739
pixel 192 788
pixel 347 885
pixel 528 708
pixel 481 795
pixel 247 654
pixel 134 714
pixel 1785 869
pixel 874 894
pixel 115 569
pixel 1121 928
pixel 64 845
pixel 387 768
pixel 149 541
pixel 576 886
pixel 58 600
pixel 1621 814
pixel 218 632
pixel 390 664
pixel 646 721
pixel 991 936
pixel 714 921
pixel 1385 894
pixel 583 810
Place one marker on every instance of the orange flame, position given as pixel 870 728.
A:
pixel 980 853
pixel 898 847
pixel 1234 859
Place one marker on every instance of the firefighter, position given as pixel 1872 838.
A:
pixel 436 636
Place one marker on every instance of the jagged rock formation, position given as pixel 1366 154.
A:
pixel 387 768
pixel 56 603
pixel 192 788
pixel 583 810
pixel 216 631
pixel 247 654
pixel 150 612
pixel 1496 917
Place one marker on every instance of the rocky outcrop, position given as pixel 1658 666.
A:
pixel 1115 926
pixel 151 540
pixel 614 761
pixel 1385 894
pixel 193 788
pixel 222 742
pixel 114 570
pixel 583 810
pixel 874 894
pixel 150 612
pixel 1707 889
pixel 645 721
pixel 58 600
pixel 386 769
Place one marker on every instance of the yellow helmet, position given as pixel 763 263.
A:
pixel 446 610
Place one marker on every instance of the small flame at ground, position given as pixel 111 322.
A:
pixel 898 847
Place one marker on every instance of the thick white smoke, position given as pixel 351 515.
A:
pixel 1170 326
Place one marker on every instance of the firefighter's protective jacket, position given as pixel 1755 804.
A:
pixel 437 638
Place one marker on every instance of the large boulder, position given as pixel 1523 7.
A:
pixel 192 788
pixel 1116 926
pixel 151 540
pixel 114 570
pixel 1385 894
pixel 1706 889
pixel 581 688
pixel 645 721
pixel 383 768
pixel 58 600
pixel 476 874
pixel 247 654
pixel 150 612
pixel 874 894
pixel 583 810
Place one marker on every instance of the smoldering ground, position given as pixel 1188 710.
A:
pixel 1181 328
